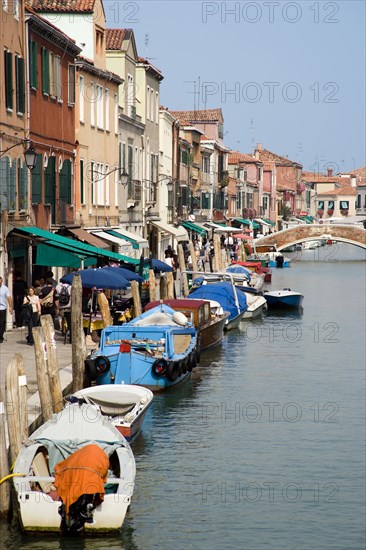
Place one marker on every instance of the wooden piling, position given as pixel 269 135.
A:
pixel 43 380
pixel 183 274
pixel 217 256
pixel 194 258
pixel 4 463
pixel 170 285
pixel 78 344
pixel 152 286
pixel 137 308
pixel 52 363
pixel 163 287
pixel 104 309
pixel 12 409
pixel 23 398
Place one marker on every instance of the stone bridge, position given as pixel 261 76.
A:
pixel 344 233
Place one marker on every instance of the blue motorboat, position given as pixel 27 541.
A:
pixel 285 298
pixel 228 296
pixel 157 350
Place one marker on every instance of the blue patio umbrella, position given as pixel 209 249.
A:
pixel 98 278
pixel 126 273
pixel 158 265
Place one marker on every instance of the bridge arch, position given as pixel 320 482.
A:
pixel 336 232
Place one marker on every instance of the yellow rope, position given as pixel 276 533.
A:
pixel 10 476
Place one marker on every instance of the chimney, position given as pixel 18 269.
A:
pixel 330 172
pixel 259 146
pixel 353 181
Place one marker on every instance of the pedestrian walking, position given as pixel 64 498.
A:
pixel 31 313
pixel 49 299
pixel 64 304
pixel 5 302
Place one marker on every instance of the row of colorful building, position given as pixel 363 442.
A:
pixel 113 168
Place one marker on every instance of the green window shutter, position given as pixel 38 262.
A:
pixel 33 65
pixel 82 182
pixel 205 201
pixel 19 65
pixel 37 181
pixel 4 174
pixel 23 199
pixel 45 71
pixel 185 195
pixel 8 62
pixel 50 181
pixel 65 182
pixel 12 184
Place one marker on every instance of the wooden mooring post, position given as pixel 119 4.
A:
pixel 77 334
pixel 52 363
pixel 152 286
pixel 163 287
pixel 183 274
pixel 43 382
pixel 170 285
pixel 4 462
pixel 137 308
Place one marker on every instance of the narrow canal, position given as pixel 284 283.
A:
pixel 265 446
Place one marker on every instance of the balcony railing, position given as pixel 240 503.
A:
pixel 134 190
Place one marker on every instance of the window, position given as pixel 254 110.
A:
pixel 82 182
pixel 107 109
pixel 23 185
pixel 344 205
pixel 45 71
pixel 221 131
pixel 16 9
pixel 152 106
pixel 148 107
pixel 130 161
pixel 100 184
pixel 65 182
pixel 308 198
pixel 20 90
pixel 330 205
pixel 116 113
pixel 320 205
pixel 8 66
pixel 130 96
pixel 81 99
pixel 358 202
pixel 107 183
pixel 71 85
pixel 33 65
pixel 265 203
pixel 157 107
pixel 100 107
pixel 205 165
pixel 92 104
pixel 92 181
pixel 5 5
pixel 184 157
pixel 37 181
pixel 55 85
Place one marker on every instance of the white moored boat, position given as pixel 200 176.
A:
pixel 75 472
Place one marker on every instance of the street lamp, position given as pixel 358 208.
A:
pixel 30 157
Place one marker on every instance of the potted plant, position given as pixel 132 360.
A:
pixel 344 212
pixel 330 212
pixel 320 213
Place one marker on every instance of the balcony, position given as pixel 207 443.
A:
pixel 134 190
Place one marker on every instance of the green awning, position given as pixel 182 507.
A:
pixel 74 246
pixel 60 256
pixel 269 221
pixel 193 227
pixel 134 243
pixel 255 225
pixel 307 219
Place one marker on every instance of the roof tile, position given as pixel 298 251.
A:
pixel 115 38
pixel 67 6
pixel 208 115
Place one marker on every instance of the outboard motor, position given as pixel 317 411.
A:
pixel 80 512
pixel 279 261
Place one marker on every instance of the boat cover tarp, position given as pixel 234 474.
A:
pixel 239 269
pixel 82 473
pixel 222 293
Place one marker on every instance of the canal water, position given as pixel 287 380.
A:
pixel 264 448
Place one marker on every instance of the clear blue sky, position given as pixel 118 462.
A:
pixel 296 70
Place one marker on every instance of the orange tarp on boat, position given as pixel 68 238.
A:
pixel 83 472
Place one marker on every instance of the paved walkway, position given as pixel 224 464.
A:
pixel 15 342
